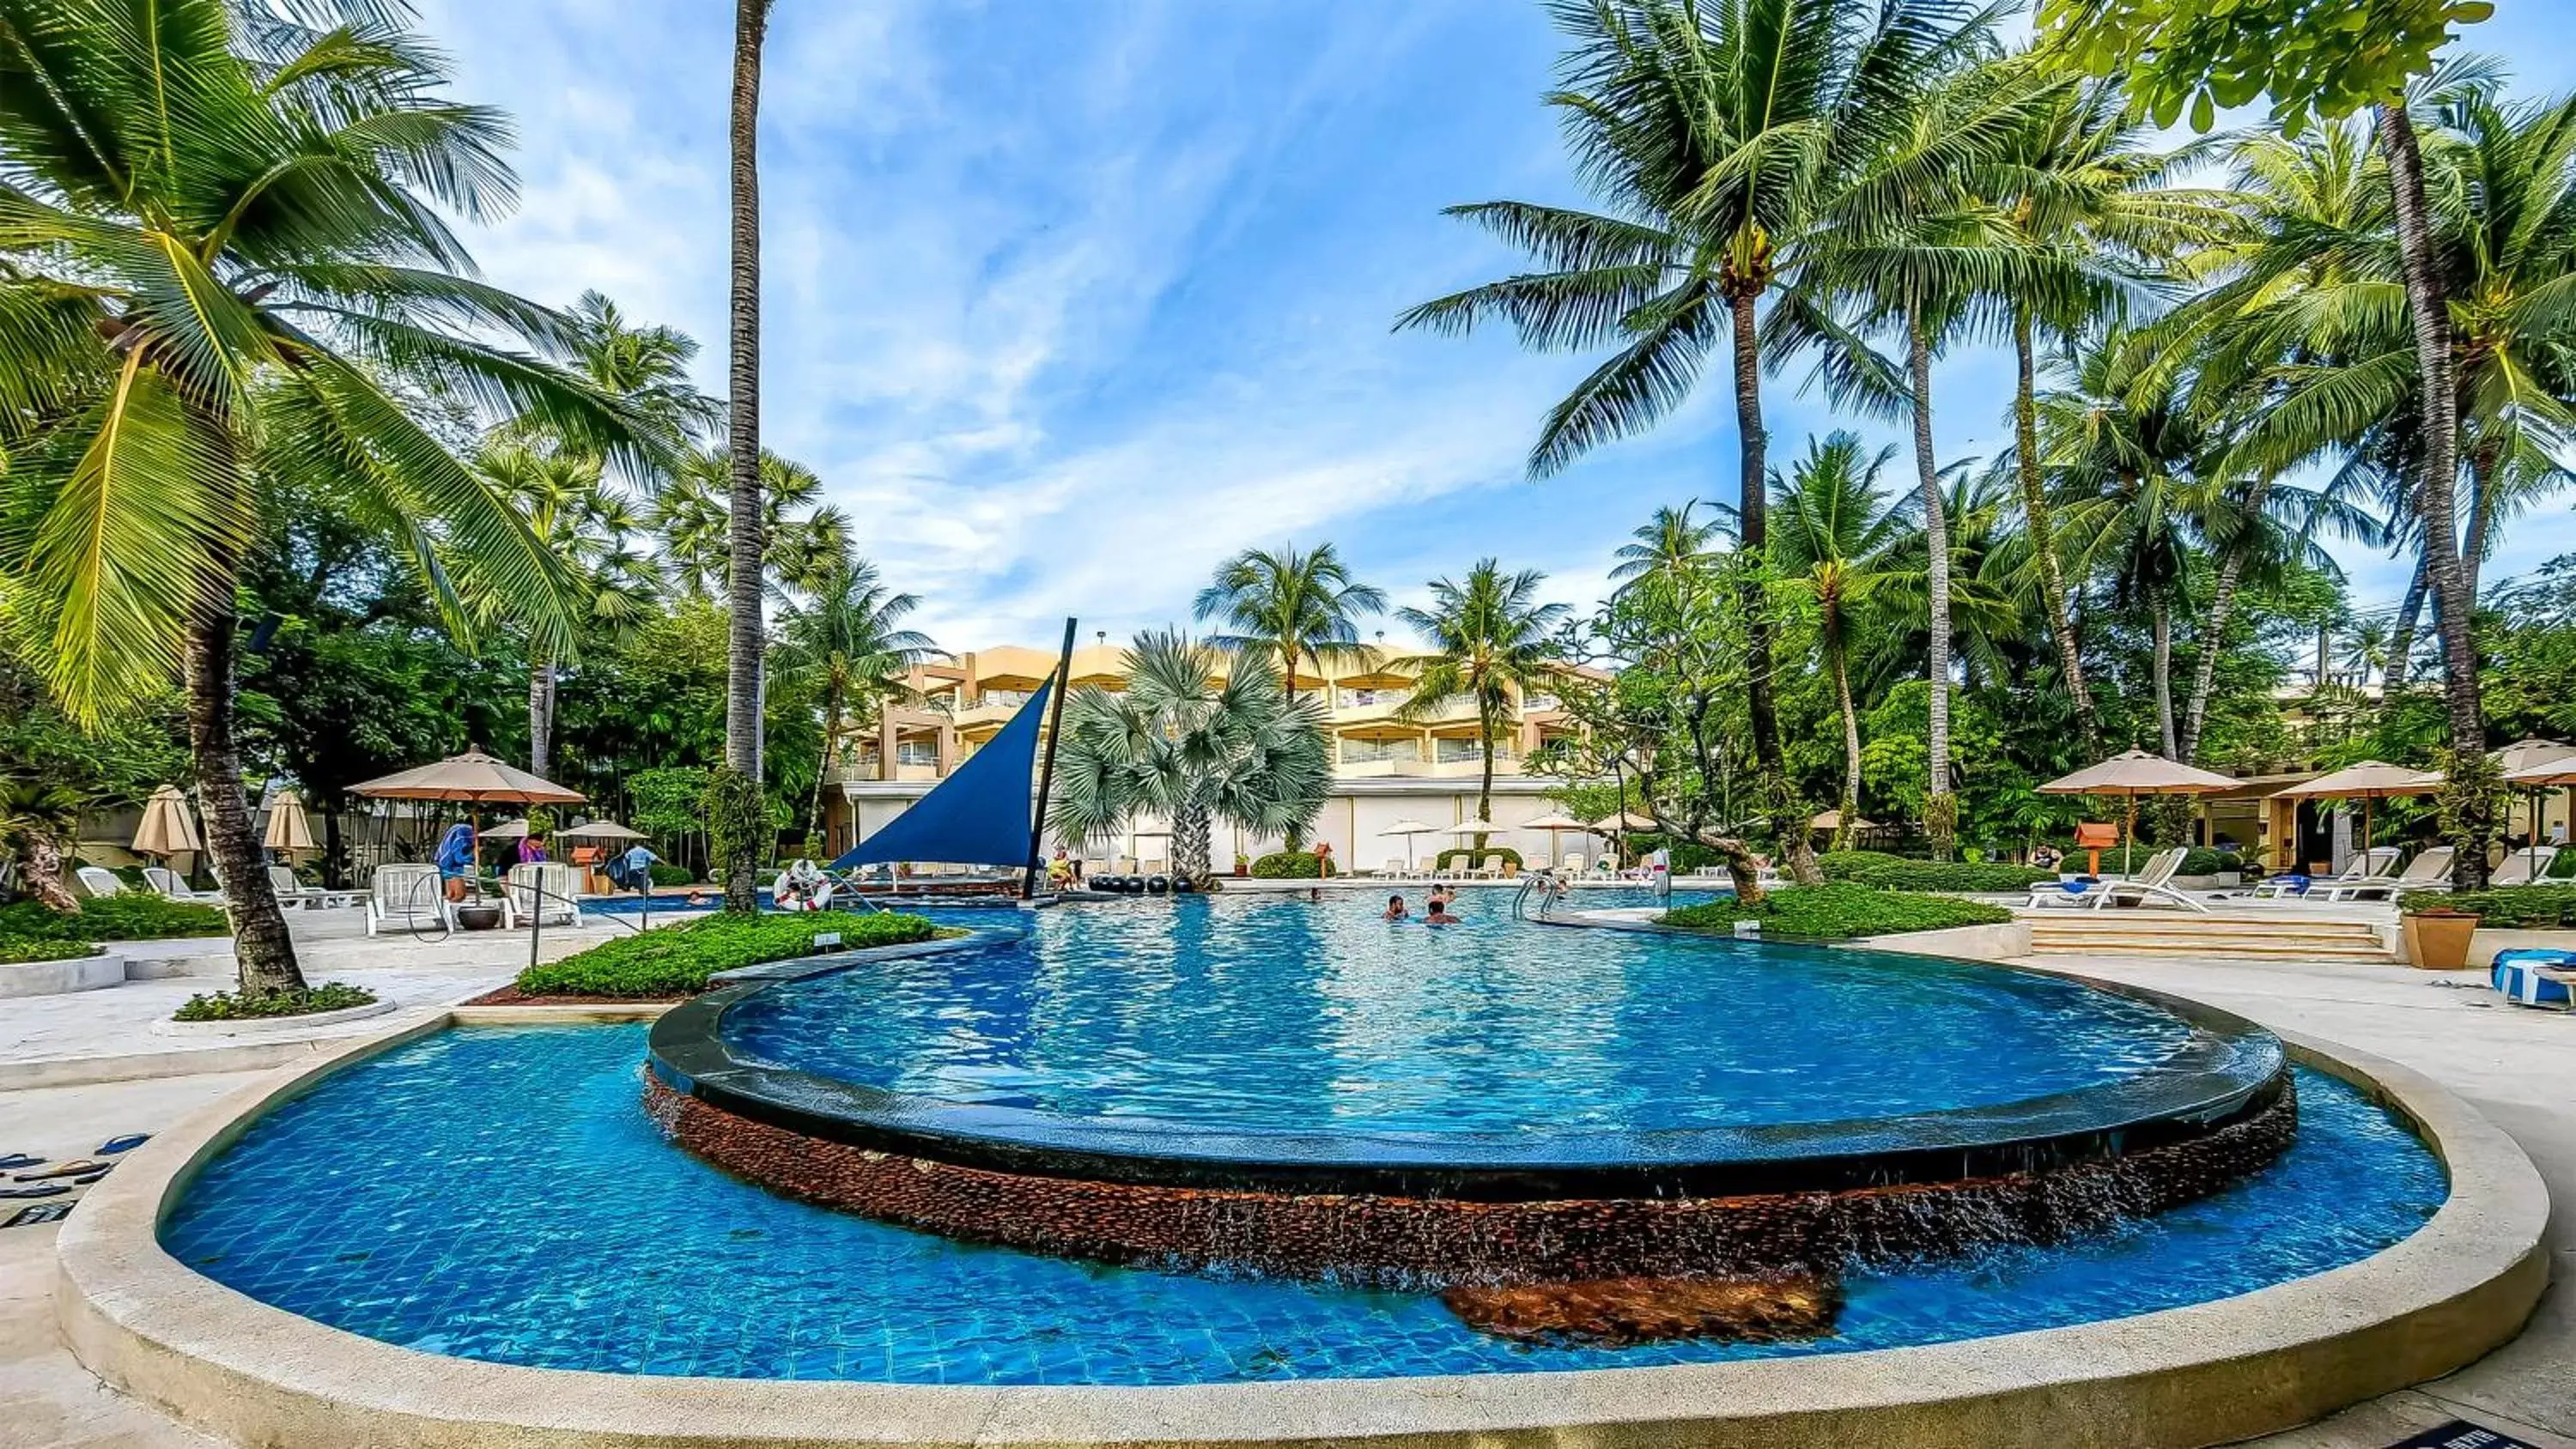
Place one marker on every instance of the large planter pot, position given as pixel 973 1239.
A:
pixel 2438 940
pixel 488 918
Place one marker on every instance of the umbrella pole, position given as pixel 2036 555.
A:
pixel 2129 835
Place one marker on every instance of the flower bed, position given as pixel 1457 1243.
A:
pixel 21 951
pixel 243 1006
pixel 1840 911
pixel 128 917
pixel 1897 873
pixel 677 961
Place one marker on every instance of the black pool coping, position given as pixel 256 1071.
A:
pixel 2229 1070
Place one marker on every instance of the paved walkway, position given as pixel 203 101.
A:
pixel 2516 1065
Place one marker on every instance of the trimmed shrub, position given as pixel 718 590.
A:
pixel 1840 911
pixel 678 961
pixel 2202 860
pixel 1289 865
pixel 2514 908
pixel 667 874
pixel 20 951
pixel 128 917
pixel 1898 873
pixel 238 1006
pixel 1456 857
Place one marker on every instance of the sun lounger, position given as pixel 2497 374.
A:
pixel 2149 884
pixel 2524 866
pixel 2371 864
pixel 1572 864
pixel 99 881
pixel 407 897
pixel 2430 870
pixel 165 883
pixel 545 890
pixel 293 892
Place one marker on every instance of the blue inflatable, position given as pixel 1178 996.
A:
pixel 2517 974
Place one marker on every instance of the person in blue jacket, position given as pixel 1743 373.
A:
pixel 456 860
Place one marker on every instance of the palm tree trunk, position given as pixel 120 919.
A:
pixel 541 715
pixel 744 574
pixel 2042 526
pixel 264 952
pixel 1485 732
pixel 2205 669
pixel 2401 638
pixel 831 740
pixel 2163 675
pixel 1850 809
pixel 1940 811
pixel 1752 529
pixel 2473 549
pixel 1193 841
pixel 2473 815
pixel 43 873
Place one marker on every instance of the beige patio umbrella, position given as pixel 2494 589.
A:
pixel 601 830
pixel 1555 826
pixel 167 828
pixel 1833 820
pixel 289 830
pixel 507 830
pixel 2548 766
pixel 2134 773
pixel 472 778
pixel 2368 781
pixel 1408 827
pixel 1617 826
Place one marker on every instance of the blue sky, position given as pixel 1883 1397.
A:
pixel 1068 299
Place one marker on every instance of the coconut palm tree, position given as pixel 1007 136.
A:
pixel 586 522
pixel 1287 607
pixel 648 366
pixel 1716 138
pixel 1194 748
pixel 1492 641
pixel 746 544
pixel 1836 529
pixel 804 541
pixel 225 266
pixel 849 637
pixel 1673 546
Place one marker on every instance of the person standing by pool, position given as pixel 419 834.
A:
pixel 1395 908
pixel 456 860
pixel 532 851
pixel 635 869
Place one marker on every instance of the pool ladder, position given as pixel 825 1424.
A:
pixel 1544 884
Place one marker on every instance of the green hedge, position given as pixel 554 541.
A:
pixel 1839 911
pixel 235 1006
pixel 1289 865
pixel 2514 908
pixel 2202 860
pixel 666 874
pixel 128 917
pixel 677 961
pixel 1898 873
pixel 1456 857
pixel 21 950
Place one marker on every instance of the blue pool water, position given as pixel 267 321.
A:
pixel 498 1193
pixel 1267 1014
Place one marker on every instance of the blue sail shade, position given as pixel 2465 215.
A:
pixel 979 815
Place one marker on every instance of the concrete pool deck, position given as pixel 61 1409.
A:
pixel 2512 1064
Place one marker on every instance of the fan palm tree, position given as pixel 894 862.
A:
pixel 224 266
pixel 746 544
pixel 1836 529
pixel 803 541
pixel 849 637
pixel 1673 547
pixel 1491 642
pixel 1179 743
pixel 1717 138
pixel 1288 607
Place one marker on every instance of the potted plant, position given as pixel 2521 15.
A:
pixel 1242 863
pixel 2436 932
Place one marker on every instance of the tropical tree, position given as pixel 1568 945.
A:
pixel 586 523
pixel 1288 607
pixel 803 539
pixel 1492 641
pixel 1831 551
pixel 1718 139
pixel 1673 546
pixel 647 365
pixel 849 636
pixel 736 808
pixel 1198 750
pixel 224 266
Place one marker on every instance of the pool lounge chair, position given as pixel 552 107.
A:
pixel 2430 870
pixel 2524 866
pixel 545 890
pixel 2159 869
pixel 99 881
pixel 293 892
pixel 2371 864
pixel 411 897
pixel 166 883
pixel 1571 865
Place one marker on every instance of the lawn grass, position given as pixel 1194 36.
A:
pixel 1839 911
pixel 677 961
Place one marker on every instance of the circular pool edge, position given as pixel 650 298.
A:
pixel 2208 1373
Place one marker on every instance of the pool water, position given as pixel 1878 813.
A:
pixel 1262 1014
pixel 499 1194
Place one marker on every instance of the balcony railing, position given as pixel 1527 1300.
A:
pixel 1370 698
pixel 1366 752
pixel 1452 752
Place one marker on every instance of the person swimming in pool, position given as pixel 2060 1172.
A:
pixel 1395 908
pixel 1440 916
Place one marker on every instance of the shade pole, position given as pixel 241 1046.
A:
pixel 1046 765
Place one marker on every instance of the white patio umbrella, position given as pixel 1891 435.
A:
pixel 1555 826
pixel 2134 773
pixel 601 830
pixel 2370 780
pixel 1409 827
